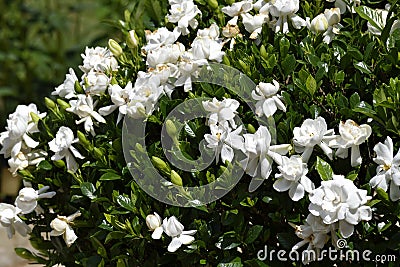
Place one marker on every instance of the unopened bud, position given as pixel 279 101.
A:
pixel 59 163
pixel 78 88
pixel 139 148
pixel 250 128
pixel 226 61
pixel 63 104
pixel 49 103
pixel 98 153
pixel 83 140
pixel 115 48
pixel 171 129
pixel 35 117
pixel 213 4
pixel 263 52
pixel 161 165
pixel 176 178
pixel 132 41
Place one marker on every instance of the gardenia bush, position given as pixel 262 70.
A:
pixel 317 139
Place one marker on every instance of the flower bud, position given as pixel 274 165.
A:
pixel 213 4
pixel 83 140
pixel 78 88
pixel 64 105
pixel 332 15
pixel 132 41
pixel 161 165
pixel 176 178
pixel 319 24
pixel 98 153
pixel 115 48
pixel 153 221
pixel 226 61
pixel 263 52
pixel 49 103
pixel 59 163
pixel 172 227
pixel 35 117
pixel 171 129
pixel 250 128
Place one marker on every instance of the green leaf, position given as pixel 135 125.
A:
pixel 88 190
pixel 253 233
pixel 354 100
pixel 361 66
pixel 311 84
pixel 109 176
pixel 324 169
pixel 373 16
pixel 126 203
pixel 45 165
pixel 382 194
pixel 289 64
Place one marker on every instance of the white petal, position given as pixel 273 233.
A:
pixel 307 184
pixel 186 239
pixel 345 229
pixel 282 185
pixel 269 107
pixel 355 156
pixel 394 192
pixel 296 192
pixel 174 245
pixel 157 233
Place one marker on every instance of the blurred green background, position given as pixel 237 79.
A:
pixel 41 39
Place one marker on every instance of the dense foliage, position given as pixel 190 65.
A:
pixel 337 72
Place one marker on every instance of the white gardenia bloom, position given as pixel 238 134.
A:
pixel 160 37
pixel 293 177
pixel 351 136
pixel 62 226
pixel 285 10
pixel 268 102
pixel 207 45
pixel 99 59
pixel 62 146
pixel 27 198
pixel 173 228
pixel 339 200
pixel 315 233
pixel 319 24
pixel 19 126
pixel 187 68
pixel 120 99
pixel 67 89
pixel 183 12
pixel 388 170
pixel 84 108
pixel 144 96
pixel 312 133
pixel 343 6
pixel 24 159
pixel 260 153
pixel 238 8
pixel 10 220
pixel 164 55
pixel 224 140
pixel 154 223
pixel 221 112
pixel 253 24
pixel 96 83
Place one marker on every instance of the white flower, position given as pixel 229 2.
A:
pixel 293 178
pixel 339 200
pixel 221 112
pixel 187 68
pixel 315 233
pixel 388 170
pixel 154 223
pixel 160 37
pixel 260 153
pixel 10 220
pixel 144 96
pixel 27 198
pixel 99 59
pixel 173 228
pixel 223 141
pixel 165 54
pixel 62 226
pixel 343 6
pixel 319 24
pixel 62 146
pixel 67 89
pixel 285 10
pixel 207 45
pixel 310 134
pixel 183 12
pixel 267 99
pixel 25 158
pixel 19 125
pixel 84 108
pixel 96 83
pixel 351 136
pixel 120 98
pixel 238 8
pixel 253 24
